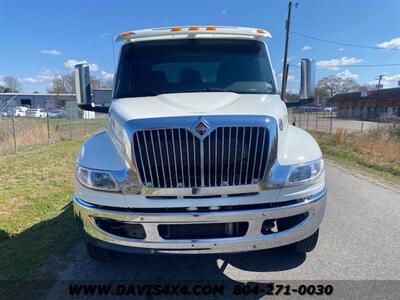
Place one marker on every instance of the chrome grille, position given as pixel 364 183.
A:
pixel 174 158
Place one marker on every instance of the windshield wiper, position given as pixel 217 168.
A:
pixel 215 89
pixel 148 93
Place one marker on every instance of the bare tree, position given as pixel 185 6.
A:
pixel 95 83
pixel 107 84
pixel 332 85
pixel 65 84
pixel 12 84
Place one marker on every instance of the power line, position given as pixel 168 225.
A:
pixel 353 66
pixel 340 43
pixel 361 66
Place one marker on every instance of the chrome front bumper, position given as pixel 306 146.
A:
pixel 154 243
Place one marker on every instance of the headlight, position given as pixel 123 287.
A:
pixel 96 179
pixel 305 172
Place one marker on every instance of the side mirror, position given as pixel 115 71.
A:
pixel 83 90
pixel 307 83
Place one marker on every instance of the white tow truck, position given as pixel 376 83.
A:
pixel 198 155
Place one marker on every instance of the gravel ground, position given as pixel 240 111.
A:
pixel 359 240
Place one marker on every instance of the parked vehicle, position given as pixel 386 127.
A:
pixel 198 155
pixel 58 113
pixel 20 112
pixel 4 113
pixel 36 112
pixel 17 111
pixel 308 108
pixel 21 108
pixel 329 108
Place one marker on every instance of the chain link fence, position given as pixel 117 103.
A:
pixel 326 120
pixel 19 132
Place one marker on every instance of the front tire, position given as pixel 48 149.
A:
pixel 97 253
pixel 306 245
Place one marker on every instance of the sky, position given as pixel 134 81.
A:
pixel 43 39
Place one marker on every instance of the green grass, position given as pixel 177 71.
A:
pixel 36 219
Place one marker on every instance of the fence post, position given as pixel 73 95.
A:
pixel 299 120
pixel 307 119
pixel 362 123
pixel 13 128
pixel 330 125
pixel 86 125
pixel 48 126
pixel 70 127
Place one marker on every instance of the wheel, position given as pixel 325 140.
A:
pixel 306 245
pixel 97 253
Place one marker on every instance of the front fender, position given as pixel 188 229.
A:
pixel 99 152
pixel 297 146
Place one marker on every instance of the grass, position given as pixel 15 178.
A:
pixel 376 151
pixel 36 185
pixel 33 131
pixel 36 219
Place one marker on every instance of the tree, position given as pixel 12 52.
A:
pixel 65 84
pixel 333 84
pixel 4 89
pixel 12 84
pixel 107 84
pixel 292 96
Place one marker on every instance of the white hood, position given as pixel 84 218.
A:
pixel 202 104
pixel 294 145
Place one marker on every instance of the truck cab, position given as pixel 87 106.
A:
pixel 198 155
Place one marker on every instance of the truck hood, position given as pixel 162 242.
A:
pixel 193 104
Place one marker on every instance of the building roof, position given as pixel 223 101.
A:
pixel 35 94
pixel 383 94
pixel 50 94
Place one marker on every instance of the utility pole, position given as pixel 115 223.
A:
pixel 379 82
pixel 285 68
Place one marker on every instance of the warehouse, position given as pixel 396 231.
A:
pixel 36 100
pixel 377 105
pixel 50 101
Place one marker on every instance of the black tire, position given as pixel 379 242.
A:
pixel 306 245
pixel 97 253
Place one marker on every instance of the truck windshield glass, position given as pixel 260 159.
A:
pixel 194 65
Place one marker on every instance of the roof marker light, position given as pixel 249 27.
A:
pixel 194 28
pixel 211 28
pixel 262 31
pixel 176 29
pixel 126 34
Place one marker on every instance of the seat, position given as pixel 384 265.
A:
pixel 190 77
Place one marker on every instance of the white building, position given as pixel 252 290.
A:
pixel 51 101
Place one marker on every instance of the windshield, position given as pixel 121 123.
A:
pixel 194 65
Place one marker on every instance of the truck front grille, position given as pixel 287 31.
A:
pixel 176 158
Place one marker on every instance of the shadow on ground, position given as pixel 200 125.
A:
pixel 229 270
pixel 23 256
pixel 51 254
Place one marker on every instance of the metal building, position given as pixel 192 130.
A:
pixel 51 101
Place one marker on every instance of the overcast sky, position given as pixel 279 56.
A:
pixel 43 39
